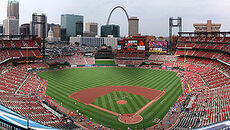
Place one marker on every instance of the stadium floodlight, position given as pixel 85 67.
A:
pixel 173 22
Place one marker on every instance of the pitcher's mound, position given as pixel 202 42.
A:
pixel 121 102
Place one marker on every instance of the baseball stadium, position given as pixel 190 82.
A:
pixel 178 82
pixel 134 90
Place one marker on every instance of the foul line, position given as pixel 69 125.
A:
pixel 148 104
pixel 114 113
pixel 137 113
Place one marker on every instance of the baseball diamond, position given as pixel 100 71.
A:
pixel 87 96
pixel 95 92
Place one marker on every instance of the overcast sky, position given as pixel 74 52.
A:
pixel 153 14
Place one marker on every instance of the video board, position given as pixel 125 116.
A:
pixel 131 45
pixel 158 46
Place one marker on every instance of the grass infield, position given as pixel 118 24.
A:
pixel 62 83
pixel 134 102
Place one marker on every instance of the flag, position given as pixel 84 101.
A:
pixel 189 88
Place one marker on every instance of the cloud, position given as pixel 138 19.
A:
pixel 153 14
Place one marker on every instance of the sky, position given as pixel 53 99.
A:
pixel 153 14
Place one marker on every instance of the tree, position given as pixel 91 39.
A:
pixel 77 43
pixel 104 44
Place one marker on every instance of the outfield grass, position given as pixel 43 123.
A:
pixel 104 62
pixel 65 82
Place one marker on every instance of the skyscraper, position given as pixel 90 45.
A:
pixel 38 28
pixel 63 35
pixel 13 9
pixel 71 23
pixel 91 28
pixel 133 26
pixel 79 28
pixel 11 26
pixel 110 30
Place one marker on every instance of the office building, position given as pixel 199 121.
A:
pixel 91 28
pixel 25 29
pixel 56 28
pixel 38 28
pixel 57 31
pixel 11 26
pixel 95 41
pixel 63 35
pixel 13 9
pixel 79 28
pixel 133 26
pixel 54 34
pixel 207 27
pixel 89 34
pixel 113 30
pixel 1 29
pixel 72 24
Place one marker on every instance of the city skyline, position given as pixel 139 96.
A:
pixel 153 15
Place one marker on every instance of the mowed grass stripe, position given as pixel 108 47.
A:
pixel 138 101
pixel 135 102
pixel 100 101
pixel 159 107
pixel 65 82
pixel 146 82
pixel 118 95
pixel 131 106
pixel 159 85
pixel 116 107
pixel 164 84
pixel 128 105
pixel 132 103
pixel 113 103
pixel 108 104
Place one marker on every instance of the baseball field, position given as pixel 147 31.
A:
pixel 106 92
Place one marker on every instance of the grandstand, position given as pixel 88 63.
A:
pixel 205 61
pixel 11 49
pixel 22 90
pixel 202 63
pixel 212 51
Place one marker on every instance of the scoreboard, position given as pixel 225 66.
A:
pixel 158 46
pixel 131 45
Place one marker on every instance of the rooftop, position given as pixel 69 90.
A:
pixel 13 1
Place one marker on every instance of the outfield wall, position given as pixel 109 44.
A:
pixel 101 65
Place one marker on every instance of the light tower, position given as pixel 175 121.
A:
pixel 40 20
pixel 172 24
